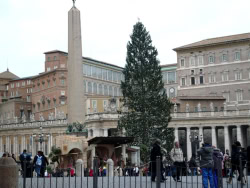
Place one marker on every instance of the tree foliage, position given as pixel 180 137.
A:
pixel 144 95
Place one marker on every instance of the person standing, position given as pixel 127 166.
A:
pixel 25 159
pixel 156 151
pixel 38 163
pixel 176 155
pixel 205 154
pixel 44 164
pixel 227 163
pixel 217 172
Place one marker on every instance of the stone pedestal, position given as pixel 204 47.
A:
pixel 110 168
pixel 8 173
pixel 79 168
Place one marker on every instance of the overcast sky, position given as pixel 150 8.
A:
pixel 28 28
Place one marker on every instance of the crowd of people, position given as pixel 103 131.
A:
pixel 208 161
pixel 38 164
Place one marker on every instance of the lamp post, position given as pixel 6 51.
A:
pixel 41 137
pixel 195 140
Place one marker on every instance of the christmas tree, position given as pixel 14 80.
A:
pixel 148 107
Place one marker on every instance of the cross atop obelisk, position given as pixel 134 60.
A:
pixel 74 1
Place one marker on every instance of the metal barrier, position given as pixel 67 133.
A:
pixel 189 177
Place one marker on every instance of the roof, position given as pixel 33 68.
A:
pixel 8 75
pixel 55 51
pixel 201 98
pixel 24 78
pixel 216 41
pixel 85 58
pixel 168 67
pixel 111 140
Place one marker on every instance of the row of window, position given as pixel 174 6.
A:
pixel 194 80
pixel 55 67
pixel 238 93
pixel 101 73
pixel 49 58
pixel 169 77
pixel 102 89
pixel 199 60
pixel 42 106
pixel 62 83
pixel 28 82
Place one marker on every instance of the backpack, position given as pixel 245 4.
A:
pixel 39 160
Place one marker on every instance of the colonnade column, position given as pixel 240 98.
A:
pixel 8 144
pixel 239 134
pixel 1 144
pixel 214 137
pixel 92 154
pixel 189 147
pixel 201 134
pixel 227 139
pixel 32 146
pixel 124 153
pixel 176 139
pixel 15 145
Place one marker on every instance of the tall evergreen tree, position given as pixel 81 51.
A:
pixel 144 95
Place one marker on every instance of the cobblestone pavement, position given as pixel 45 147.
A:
pixel 117 182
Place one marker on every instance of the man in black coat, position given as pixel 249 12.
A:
pixel 156 151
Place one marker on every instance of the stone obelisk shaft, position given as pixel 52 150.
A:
pixel 76 98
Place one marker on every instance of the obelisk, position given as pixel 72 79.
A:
pixel 76 97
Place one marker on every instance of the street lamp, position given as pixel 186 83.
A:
pixel 195 140
pixel 40 138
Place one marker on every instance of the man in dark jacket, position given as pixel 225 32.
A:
pixel 156 151
pixel 217 173
pixel 205 154
pixel 40 162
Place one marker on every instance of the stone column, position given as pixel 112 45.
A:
pixel 201 134
pixel 176 139
pixel 15 145
pixel 1 144
pixel 189 147
pixel 110 167
pixel 124 153
pixel 8 144
pixel 105 132
pixel 214 136
pixel 92 154
pixel 239 134
pixel 227 139
pixel 76 96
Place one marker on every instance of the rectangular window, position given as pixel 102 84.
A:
pixel 183 81
pixel 226 96
pixel 171 77
pixel 212 78
pixel 48 69
pixel 84 69
pixel 55 67
pixel 99 73
pixel 238 76
pixel 48 58
pixel 28 98
pixel 192 80
pixel 114 77
pixel 201 80
pixel 239 96
pixel 28 82
pixel 104 74
pixel 54 58
pixel 94 72
pixel 62 82
pixel 62 102
pixel 62 65
pixel 109 75
pixel 12 85
pixel 192 61
pixel 224 77
pixel 17 84
pixel 105 103
pixel 63 93
pixel 94 104
pixel 182 62
pixel 200 60
pixel 204 109
pixel 224 57
pixel 237 56
pixel 119 77
pixel 211 59
pixel 23 83
pixel 88 70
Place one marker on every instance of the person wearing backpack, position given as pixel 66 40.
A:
pixel 38 163
pixel 176 156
